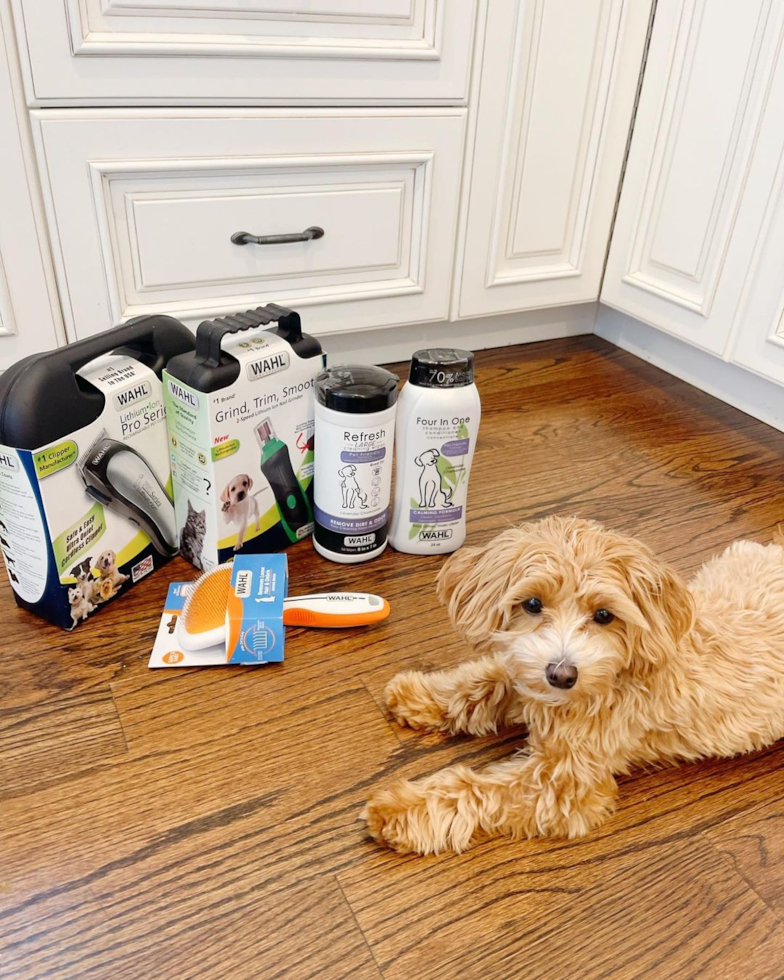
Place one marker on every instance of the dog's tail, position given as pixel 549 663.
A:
pixel 778 534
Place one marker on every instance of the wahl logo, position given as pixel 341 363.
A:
pixel 243 584
pixel 442 534
pixel 359 540
pixel 125 398
pixel 270 364
pixel 8 462
pixel 183 395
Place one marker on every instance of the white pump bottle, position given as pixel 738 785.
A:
pixel 438 413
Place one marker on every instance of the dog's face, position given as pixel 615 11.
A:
pixel 348 471
pixel 106 561
pixel 238 490
pixel 429 456
pixel 75 595
pixel 573 607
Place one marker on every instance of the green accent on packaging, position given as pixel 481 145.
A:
pixel 54 458
pixel 291 500
pixel 225 450
pixel 78 538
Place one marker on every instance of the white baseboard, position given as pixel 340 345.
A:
pixel 746 391
pixel 382 345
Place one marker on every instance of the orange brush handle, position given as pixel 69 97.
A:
pixel 335 610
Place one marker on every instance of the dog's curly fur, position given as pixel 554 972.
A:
pixel 681 673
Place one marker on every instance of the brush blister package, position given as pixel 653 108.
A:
pixel 240 413
pixel 254 633
pixel 86 509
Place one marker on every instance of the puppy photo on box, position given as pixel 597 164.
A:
pixel 239 506
pixel 611 661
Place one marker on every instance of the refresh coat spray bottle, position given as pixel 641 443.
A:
pixel 438 417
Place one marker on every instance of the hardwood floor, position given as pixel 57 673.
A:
pixel 203 823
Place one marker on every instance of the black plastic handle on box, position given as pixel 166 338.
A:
pixel 210 333
pixel 42 398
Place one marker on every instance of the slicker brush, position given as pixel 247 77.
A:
pixel 211 603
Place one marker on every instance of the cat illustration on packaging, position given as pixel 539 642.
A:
pixel 192 535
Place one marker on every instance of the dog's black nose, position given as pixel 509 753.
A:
pixel 240 495
pixel 561 675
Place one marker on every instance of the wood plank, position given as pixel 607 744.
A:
pixel 681 911
pixel 203 822
pixel 754 843
pixel 52 740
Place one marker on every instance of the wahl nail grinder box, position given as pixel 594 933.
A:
pixel 240 413
pixel 86 508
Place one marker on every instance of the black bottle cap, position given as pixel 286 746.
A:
pixel 442 367
pixel 357 388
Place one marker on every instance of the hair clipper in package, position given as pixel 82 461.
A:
pixel 240 415
pixel 86 509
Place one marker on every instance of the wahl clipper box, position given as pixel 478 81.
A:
pixel 85 487
pixel 240 418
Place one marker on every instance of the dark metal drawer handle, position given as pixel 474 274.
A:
pixel 245 237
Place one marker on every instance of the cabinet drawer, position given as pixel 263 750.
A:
pixel 257 52
pixel 143 207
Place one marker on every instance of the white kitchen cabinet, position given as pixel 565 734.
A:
pixel 143 205
pixel 29 320
pixel 255 52
pixel 554 106
pixel 757 338
pixel 695 250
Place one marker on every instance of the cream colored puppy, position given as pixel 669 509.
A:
pixel 608 658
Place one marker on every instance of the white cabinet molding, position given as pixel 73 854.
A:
pixel 542 195
pixel 263 52
pixel 29 308
pixel 403 30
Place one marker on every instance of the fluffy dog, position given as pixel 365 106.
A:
pixel 239 506
pixel 609 659
pixel 108 570
pixel 81 607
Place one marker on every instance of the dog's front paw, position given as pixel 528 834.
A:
pixel 409 820
pixel 411 703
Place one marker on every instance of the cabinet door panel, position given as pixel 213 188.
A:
pixel 690 212
pixel 757 338
pixel 555 100
pixel 29 321
pixel 258 52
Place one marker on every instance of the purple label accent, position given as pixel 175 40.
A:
pixel 371 456
pixel 457 447
pixel 351 525
pixel 435 516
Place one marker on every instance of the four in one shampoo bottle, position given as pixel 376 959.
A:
pixel 437 423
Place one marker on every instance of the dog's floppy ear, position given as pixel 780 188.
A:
pixel 224 495
pixel 474 583
pixel 666 605
pixel 250 482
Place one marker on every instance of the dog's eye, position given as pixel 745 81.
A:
pixel 603 617
pixel 532 606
